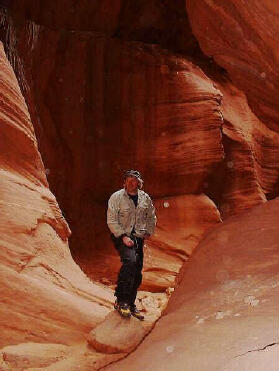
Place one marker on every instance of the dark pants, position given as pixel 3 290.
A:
pixel 129 276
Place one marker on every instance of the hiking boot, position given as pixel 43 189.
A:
pixel 136 313
pixel 123 309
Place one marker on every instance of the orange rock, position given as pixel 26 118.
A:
pixel 45 296
pixel 160 109
pixel 118 335
pixel 23 356
pixel 224 313
pixel 243 38
pixel 182 221
pixel 101 105
pixel 167 117
pixel 248 175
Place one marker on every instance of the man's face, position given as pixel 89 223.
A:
pixel 131 184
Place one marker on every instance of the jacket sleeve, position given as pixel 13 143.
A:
pixel 151 217
pixel 112 217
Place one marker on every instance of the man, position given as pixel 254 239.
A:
pixel 130 218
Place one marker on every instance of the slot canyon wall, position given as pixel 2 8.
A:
pixel 184 92
pixel 124 85
pixel 45 297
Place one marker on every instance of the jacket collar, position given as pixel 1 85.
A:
pixel 139 194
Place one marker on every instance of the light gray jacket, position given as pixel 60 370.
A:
pixel 123 216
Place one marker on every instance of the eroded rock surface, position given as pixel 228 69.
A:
pixel 242 37
pixel 248 175
pixel 101 105
pixel 224 314
pixel 118 335
pixel 33 355
pixel 119 105
pixel 47 296
pixel 182 222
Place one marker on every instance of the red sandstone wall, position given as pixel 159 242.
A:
pixel 224 314
pixel 243 38
pixel 205 140
pixel 101 105
pixel 43 291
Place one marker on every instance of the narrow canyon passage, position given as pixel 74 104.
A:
pixel 137 91
pixel 183 92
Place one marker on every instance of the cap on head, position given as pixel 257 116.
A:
pixel 135 174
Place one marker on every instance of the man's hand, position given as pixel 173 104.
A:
pixel 127 241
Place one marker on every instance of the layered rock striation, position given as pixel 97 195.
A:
pixel 242 37
pixel 106 105
pixel 45 296
pixel 102 103
pixel 202 130
pixel 224 313
pixel 248 175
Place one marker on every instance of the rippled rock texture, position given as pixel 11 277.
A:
pixel 242 37
pixel 118 105
pixel 224 313
pixel 249 173
pixel 45 296
pixel 102 103
pixel 200 126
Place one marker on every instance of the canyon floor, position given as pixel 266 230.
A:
pixel 223 314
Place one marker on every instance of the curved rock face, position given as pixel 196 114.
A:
pixel 105 105
pixel 242 37
pixel 118 105
pixel 101 105
pixel 42 289
pixel 224 313
pixel 183 220
pixel 249 172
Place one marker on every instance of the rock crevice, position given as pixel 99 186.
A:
pixel 258 349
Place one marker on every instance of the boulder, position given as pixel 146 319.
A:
pixel 117 334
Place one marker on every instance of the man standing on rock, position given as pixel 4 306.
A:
pixel 130 218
